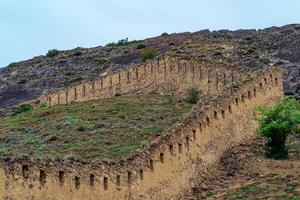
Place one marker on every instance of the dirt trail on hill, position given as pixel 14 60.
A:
pixel 244 173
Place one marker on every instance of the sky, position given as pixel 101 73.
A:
pixel 31 27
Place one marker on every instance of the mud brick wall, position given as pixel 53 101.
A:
pixel 163 168
pixel 168 74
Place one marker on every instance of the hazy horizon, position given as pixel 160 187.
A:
pixel 33 27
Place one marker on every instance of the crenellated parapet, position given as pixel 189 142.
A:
pixel 167 74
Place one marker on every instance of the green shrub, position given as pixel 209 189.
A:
pixel 122 42
pixel 52 53
pixel 81 128
pixel 148 54
pixel 13 64
pixel 21 109
pixel 289 93
pixel 43 105
pixel 101 61
pixel 141 46
pixel 279 63
pixel 192 96
pixel 77 53
pixel 164 34
pixel 264 61
pixel 276 123
pixel 253 50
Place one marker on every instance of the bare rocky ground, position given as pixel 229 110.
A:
pixel 244 173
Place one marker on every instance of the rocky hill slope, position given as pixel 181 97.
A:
pixel 279 46
pixel 244 173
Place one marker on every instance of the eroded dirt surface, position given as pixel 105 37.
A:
pixel 244 173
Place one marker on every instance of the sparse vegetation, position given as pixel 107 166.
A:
pixel 148 54
pixel 253 51
pixel 192 96
pixel 21 109
pixel 276 123
pixel 266 185
pixel 278 63
pixel 77 53
pixel 101 61
pixel 141 46
pixel 109 128
pixel 264 61
pixel 258 178
pixel 122 42
pixel 52 53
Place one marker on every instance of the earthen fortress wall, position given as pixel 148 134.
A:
pixel 167 74
pixel 160 171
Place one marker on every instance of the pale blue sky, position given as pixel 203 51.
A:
pixel 31 27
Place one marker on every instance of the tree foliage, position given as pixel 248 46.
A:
pixel 276 123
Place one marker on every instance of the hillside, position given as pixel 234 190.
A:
pixel 243 172
pixel 279 46
pixel 120 137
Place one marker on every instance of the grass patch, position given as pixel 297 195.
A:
pixel 272 187
pixel 91 130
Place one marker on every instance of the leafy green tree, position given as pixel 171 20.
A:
pixel 276 123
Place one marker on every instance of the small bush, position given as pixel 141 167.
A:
pixel 21 109
pixel 13 64
pixel 81 128
pixel 297 28
pixel 122 42
pixel 279 63
pixel 52 53
pixel 43 105
pixel 264 61
pixel 192 96
pixel 148 54
pixel 101 61
pixel 141 46
pixel 164 34
pixel 218 55
pixel 252 51
pixel 276 123
pixel 77 53
pixel 289 93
